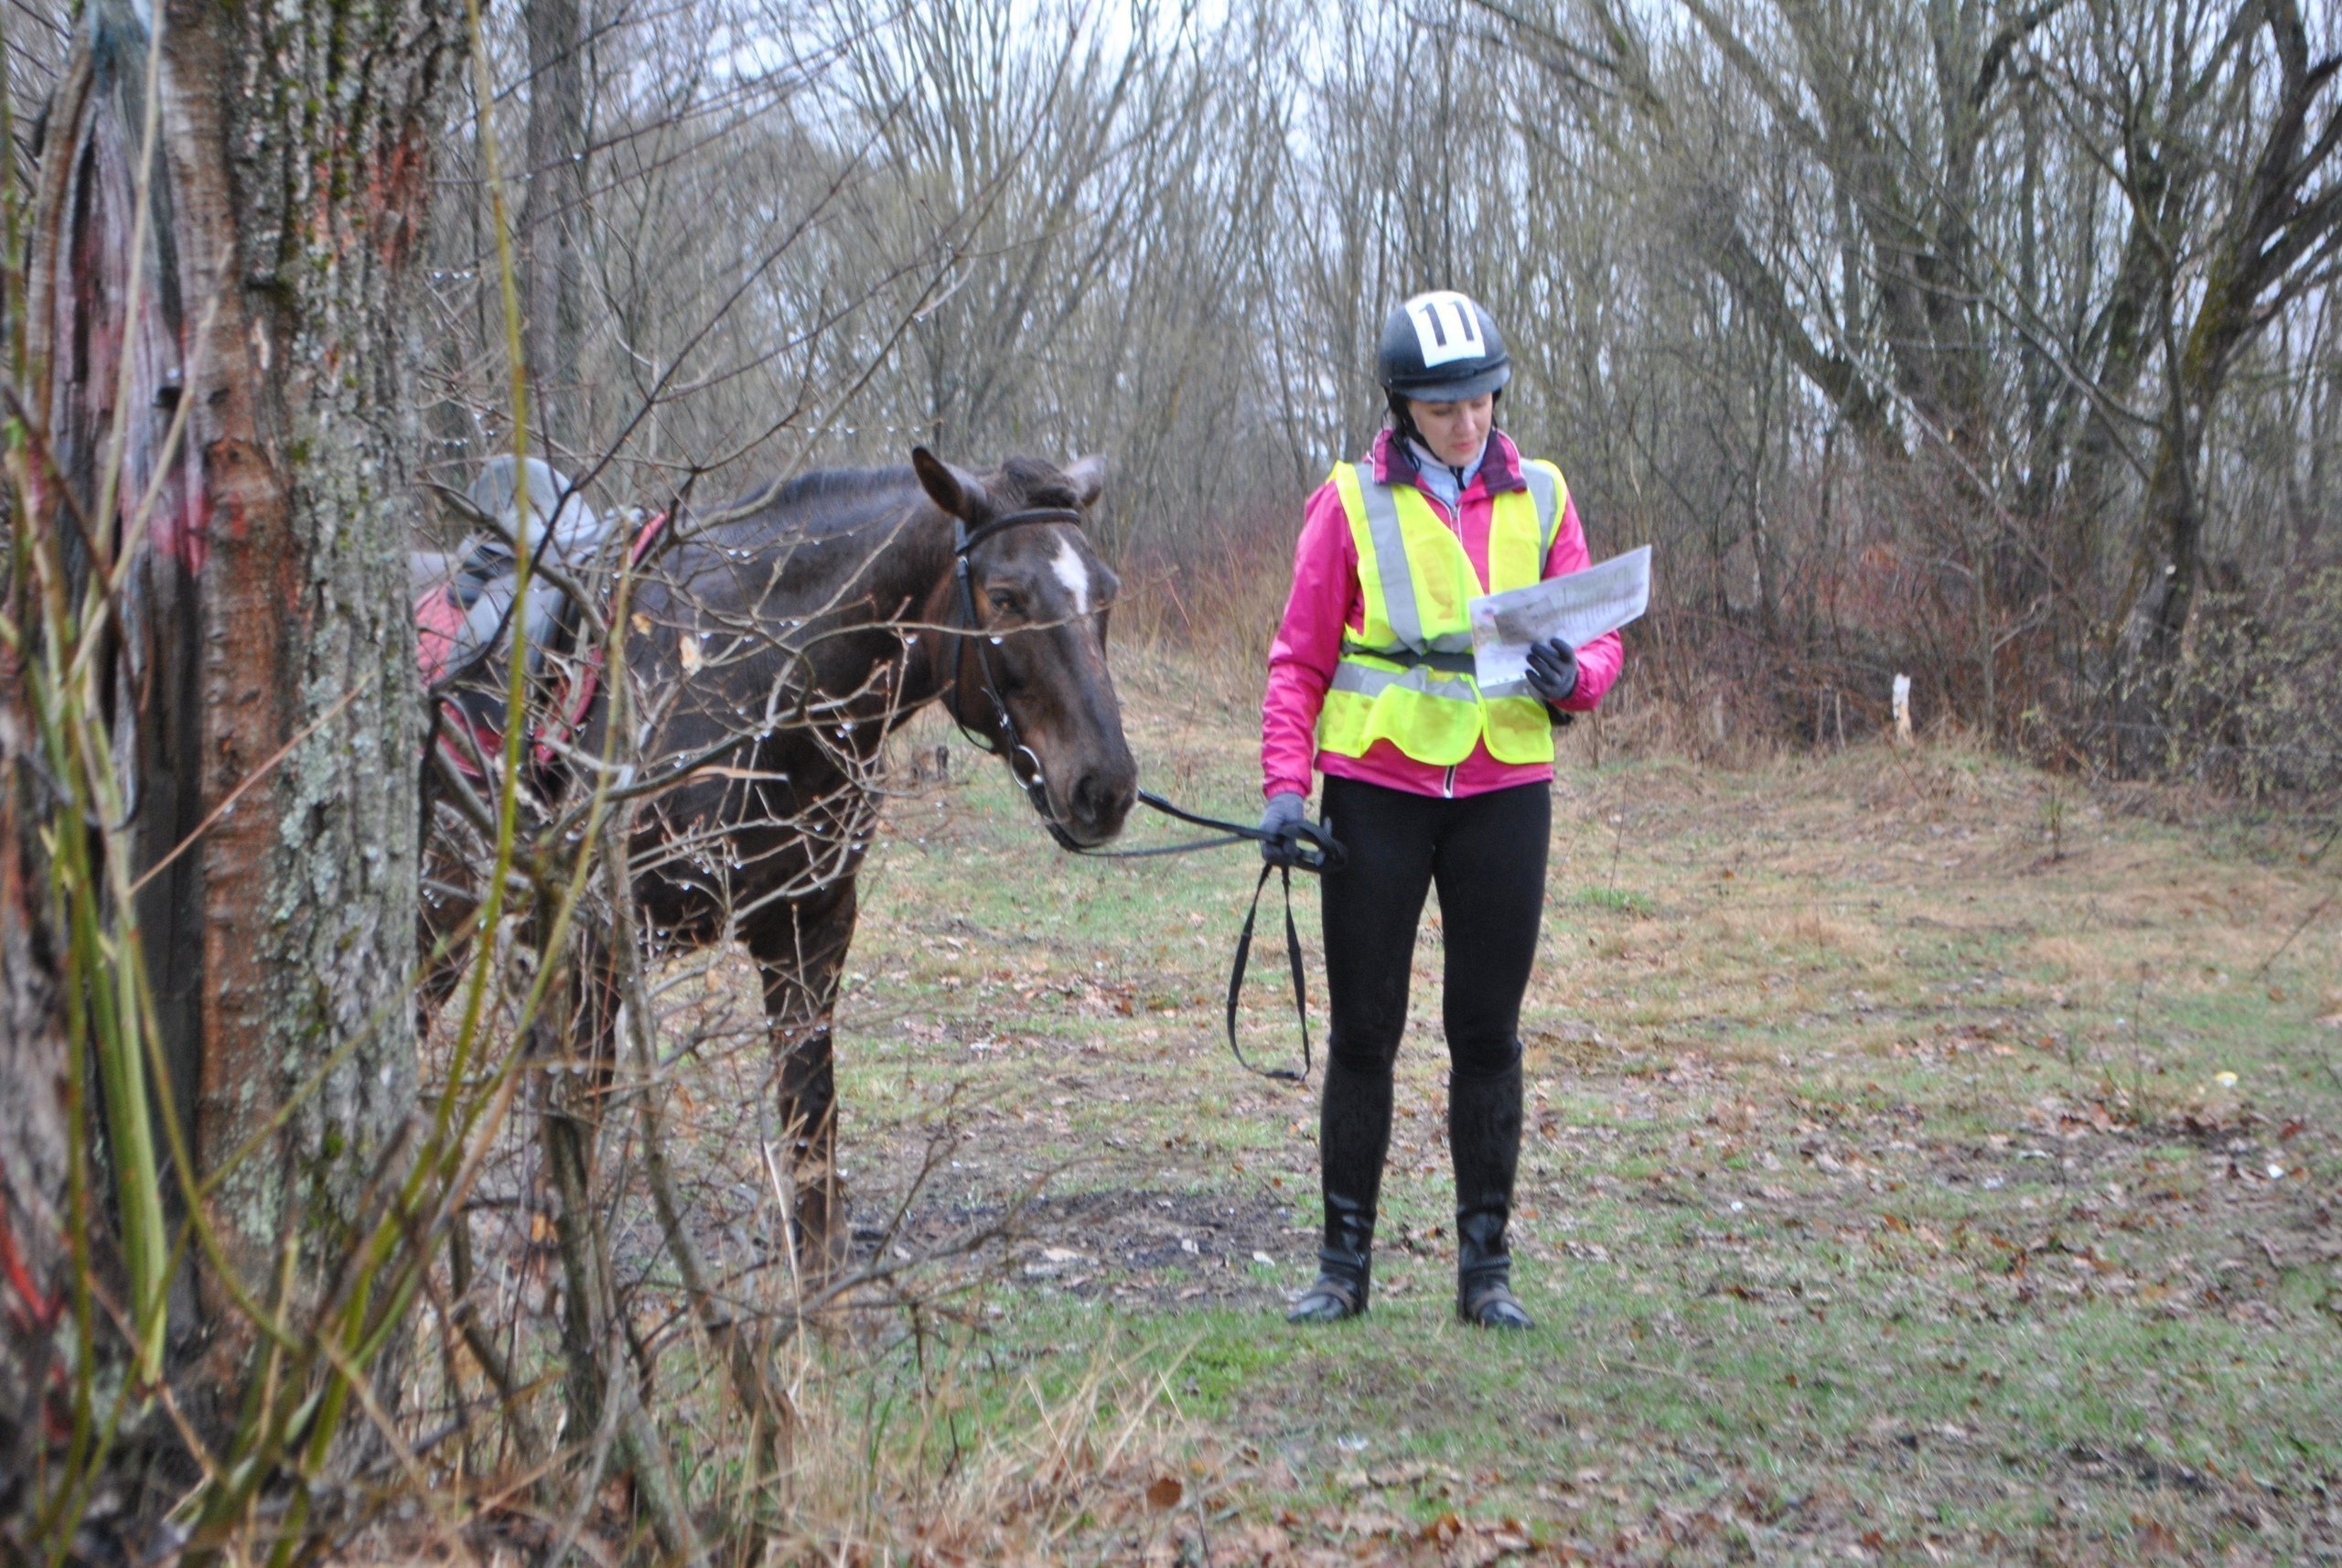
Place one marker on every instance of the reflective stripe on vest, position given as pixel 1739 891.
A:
pixel 1397 574
pixel 1406 676
pixel 1544 480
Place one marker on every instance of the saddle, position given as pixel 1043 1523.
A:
pixel 463 605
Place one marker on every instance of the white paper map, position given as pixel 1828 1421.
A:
pixel 1577 608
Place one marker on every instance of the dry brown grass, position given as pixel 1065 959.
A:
pixel 1199 623
pixel 1086 1459
pixel 963 1483
pixel 2075 959
pixel 1810 928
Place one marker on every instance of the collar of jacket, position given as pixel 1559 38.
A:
pixel 1499 465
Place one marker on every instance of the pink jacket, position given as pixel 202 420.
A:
pixel 1326 602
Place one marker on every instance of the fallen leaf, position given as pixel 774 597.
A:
pixel 1404 1474
pixel 1473 1551
pixel 1262 1543
pixel 1166 1493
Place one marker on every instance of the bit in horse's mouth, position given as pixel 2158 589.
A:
pixel 1063 822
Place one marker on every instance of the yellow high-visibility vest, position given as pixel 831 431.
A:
pixel 1406 676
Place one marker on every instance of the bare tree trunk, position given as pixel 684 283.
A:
pixel 550 222
pixel 265 646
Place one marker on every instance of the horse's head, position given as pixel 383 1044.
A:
pixel 1033 678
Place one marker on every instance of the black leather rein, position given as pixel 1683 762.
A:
pixel 1324 853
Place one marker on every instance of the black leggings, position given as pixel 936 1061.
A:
pixel 1487 853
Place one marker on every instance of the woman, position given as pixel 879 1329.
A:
pixel 1429 779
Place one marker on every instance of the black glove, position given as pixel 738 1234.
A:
pixel 1552 670
pixel 1282 820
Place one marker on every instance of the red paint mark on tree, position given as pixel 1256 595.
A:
pixel 247 625
pixel 396 194
pixel 31 1309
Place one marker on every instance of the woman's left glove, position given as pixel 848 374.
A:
pixel 1281 823
pixel 1552 670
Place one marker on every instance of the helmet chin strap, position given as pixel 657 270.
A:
pixel 1402 421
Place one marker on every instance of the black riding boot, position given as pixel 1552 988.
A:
pixel 1353 1133
pixel 1484 1138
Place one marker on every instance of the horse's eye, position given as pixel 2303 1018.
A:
pixel 1005 603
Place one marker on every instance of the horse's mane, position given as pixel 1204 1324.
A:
pixel 807 501
pixel 817 489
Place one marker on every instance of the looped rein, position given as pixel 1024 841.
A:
pixel 1318 852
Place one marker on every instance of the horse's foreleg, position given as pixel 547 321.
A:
pixel 802 953
pixel 809 1116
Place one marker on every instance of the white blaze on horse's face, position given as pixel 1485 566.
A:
pixel 1074 574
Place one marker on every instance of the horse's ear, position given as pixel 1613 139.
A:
pixel 957 491
pixel 1088 477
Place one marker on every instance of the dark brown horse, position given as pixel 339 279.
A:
pixel 772 646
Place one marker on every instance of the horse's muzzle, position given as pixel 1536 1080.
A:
pixel 1097 803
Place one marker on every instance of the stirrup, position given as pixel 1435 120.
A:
pixel 1493 1305
pixel 1330 1300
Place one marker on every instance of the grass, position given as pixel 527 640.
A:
pixel 1885 1193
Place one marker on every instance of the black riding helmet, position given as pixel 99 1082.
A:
pixel 1441 346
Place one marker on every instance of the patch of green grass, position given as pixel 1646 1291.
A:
pixel 1617 900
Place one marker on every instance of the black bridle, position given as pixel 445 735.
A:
pixel 1312 848
pixel 964 539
